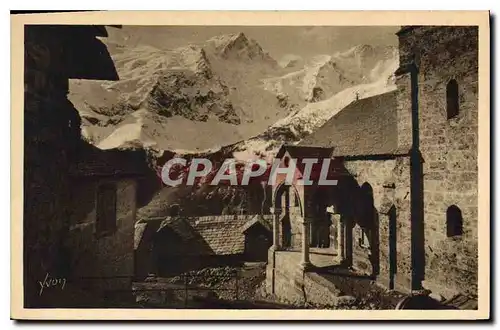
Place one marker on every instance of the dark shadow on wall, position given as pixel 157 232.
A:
pixel 258 240
pixel 375 245
pixel 416 180
pixel 174 254
pixel 286 231
pixel 349 223
pixel 369 220
pixel 416 192
pixel 393 252
pixel 323 196
pixel 347 198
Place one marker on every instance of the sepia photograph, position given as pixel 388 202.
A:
pixel 252 167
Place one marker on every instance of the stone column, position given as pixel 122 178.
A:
pixel 337 218
pixel 276 223
pixel 332 233
pixel 340 238
pixel 305 263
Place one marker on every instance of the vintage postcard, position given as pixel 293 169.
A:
pixel 250 165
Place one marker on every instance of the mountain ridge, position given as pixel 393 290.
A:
pixel 221 92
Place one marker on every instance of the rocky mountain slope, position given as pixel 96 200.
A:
pixel 222 98
pixel 214 86
pixel 325 85
pixel 223 91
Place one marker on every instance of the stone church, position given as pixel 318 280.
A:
pixel 405 208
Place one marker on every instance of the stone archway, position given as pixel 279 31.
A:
pixel 288 207
pixel 321 199
pixel 369 222
pixel 286 231
pixel 300 231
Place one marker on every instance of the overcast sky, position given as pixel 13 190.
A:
pixel 277 40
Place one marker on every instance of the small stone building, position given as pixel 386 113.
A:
pixel 406 201
pixel 258 238
pixel 171 245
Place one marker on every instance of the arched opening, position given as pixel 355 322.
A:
pixel 369 222
pixel 452 104
pixel 320 225
pixel 366 208
pixel 283 197
pixel 286 231
pixel 454 221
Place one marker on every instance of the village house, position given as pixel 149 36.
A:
pixel 171 245
pixel 405 207
pixel 101 221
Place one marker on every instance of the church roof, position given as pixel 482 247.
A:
pixel 365 127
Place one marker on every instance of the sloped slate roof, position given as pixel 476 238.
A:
pixel 211 235
pixel 258 219
pixel 183 229
pixel 305 151
pixel 139 230
pixel 365 127
pixel 144 232
pixel 222 235
pixel 179 225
